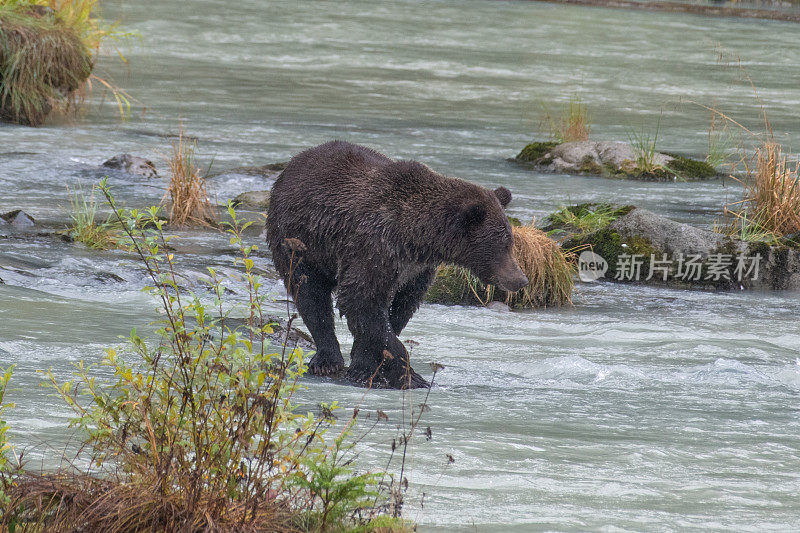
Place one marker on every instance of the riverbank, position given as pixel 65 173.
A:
pixel 691 8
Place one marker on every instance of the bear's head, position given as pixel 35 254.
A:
pixel 486 242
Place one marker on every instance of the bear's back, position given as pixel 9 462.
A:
pixel 325 192
pixel 324 169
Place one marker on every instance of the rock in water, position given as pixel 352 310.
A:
pixel 500 307
pixel 133 165
pixel 18 219
pixel 612 159
pixel 253 200
pixel 641 246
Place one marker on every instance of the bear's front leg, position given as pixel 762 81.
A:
pixel 378 358
pixel 312 297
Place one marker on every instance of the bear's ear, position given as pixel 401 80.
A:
pixel 504 195
pixel 473 215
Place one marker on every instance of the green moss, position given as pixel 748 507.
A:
pixel 690 169
pixel 514 221
pixel 636 173
pixel 610 245
pixel 762 248
pixel 590 166
pixel 583 219
pixel 535 151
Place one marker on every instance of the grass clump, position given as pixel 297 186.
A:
pixel 549 270
pixel 573 124
pixel 43 63
pixel 48 49
pixel 199 429
pixel 86 229
pixel 189 202
pixel 644 149
pixel 770 208
pixel 720 142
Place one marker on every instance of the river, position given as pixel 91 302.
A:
pixel 635 409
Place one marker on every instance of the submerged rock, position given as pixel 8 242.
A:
pixel 500 307
pixel 18 219
pixel 133 165
pixel 640 246
pixel 269 171
pixel 612 159
pixel 253 200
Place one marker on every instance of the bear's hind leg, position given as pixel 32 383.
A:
pixel 313 301
pixel 369 363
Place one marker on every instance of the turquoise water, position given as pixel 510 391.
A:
pixel 635 409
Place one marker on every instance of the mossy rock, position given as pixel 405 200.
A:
pixel 611 159
pixel 535 151
pixel 453 286
pixel 690 169
pixel 610 245
pixel 258 200
pixel 634 173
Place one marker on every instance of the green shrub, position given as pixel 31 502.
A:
pixel 5 447
pixel 199 430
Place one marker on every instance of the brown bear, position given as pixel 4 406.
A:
pixel 374 230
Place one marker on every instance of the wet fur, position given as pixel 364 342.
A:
pixel 374 231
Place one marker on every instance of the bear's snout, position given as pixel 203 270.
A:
pixel 510 277
pixel 513 284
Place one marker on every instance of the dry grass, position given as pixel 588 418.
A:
pixel 43 63
pixel 81 502
pixel 774 191
pixel 770 208
pixel 189 203
pixel 47 52
pixel 572 125
pixel 549 269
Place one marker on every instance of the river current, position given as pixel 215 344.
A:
pixel 634 409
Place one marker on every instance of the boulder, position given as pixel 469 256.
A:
pixel 611 159
pixel 258 200
pixel 133 165
pixel 643 247
pixel 18 219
